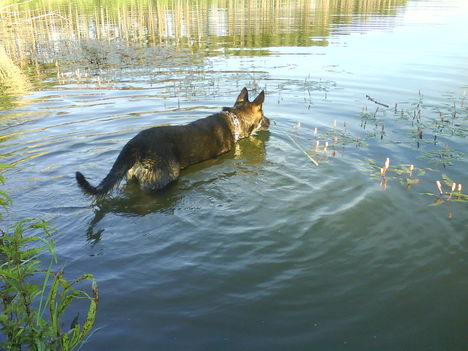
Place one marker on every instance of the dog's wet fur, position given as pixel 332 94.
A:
pixel 155 156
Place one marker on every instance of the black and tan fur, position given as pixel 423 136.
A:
pixel 155 156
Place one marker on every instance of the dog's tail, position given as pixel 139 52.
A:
pixel 124 162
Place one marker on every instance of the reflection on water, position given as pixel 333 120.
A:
pixel 132 201
pixel 88 43
pixel 13 82
pixel 35 27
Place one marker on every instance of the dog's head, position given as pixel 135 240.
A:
pixel 249 114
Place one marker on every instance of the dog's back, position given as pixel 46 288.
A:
pixel 156 156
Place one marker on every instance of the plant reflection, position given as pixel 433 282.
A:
pixel 200 25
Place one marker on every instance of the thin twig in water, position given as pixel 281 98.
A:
pixel 300 148
pixel 375 101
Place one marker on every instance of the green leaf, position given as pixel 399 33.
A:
pixel 8 273
pixel 65 302
pixel 65 341
pixel 91 312
pixel 437 202
pixel 51 247
pixel 83 277
pixel 447 180
pixel 53 304
pixel 76 339
pixel 32 253
pixel 5 195
pixel 5 166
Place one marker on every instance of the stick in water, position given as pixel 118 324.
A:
pixel 375 101
pixel 305 152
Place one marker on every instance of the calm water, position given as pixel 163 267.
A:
pixel 258 249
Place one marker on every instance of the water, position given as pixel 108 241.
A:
pixel 258 249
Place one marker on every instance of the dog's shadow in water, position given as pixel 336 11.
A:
pixel 132 201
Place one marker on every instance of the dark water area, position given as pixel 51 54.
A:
pixel 258 249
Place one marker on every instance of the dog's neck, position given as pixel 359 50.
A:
pixel 236 127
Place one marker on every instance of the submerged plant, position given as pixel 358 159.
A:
pixel 34 301
pixel 442 156
pixel 454 192
pixel 406 174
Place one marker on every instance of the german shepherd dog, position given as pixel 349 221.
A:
pixel 155 156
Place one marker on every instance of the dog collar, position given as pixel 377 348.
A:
pixel 235 122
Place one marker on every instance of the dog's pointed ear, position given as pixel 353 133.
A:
pixel 243 96
pixel 260 98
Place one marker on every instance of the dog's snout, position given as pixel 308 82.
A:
pixel 265 123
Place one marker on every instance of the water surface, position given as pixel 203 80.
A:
pixel 258 249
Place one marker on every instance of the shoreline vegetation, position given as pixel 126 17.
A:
pixel 35 300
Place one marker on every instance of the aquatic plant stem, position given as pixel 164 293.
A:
pixel 300 148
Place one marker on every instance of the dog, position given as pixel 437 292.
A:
pixel 155 156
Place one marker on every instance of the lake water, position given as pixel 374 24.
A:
pixel 258 249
